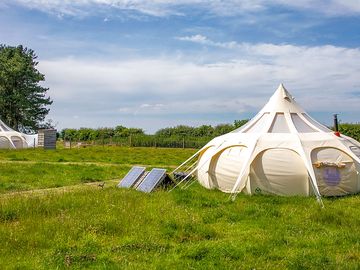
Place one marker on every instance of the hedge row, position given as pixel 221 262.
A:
pixel 352 130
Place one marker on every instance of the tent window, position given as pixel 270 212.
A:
pixel 279 124
pixel 259 124
pixel 332 176
pixel 355 150
pixel 3 127
pixel 300 125
pixel 316 124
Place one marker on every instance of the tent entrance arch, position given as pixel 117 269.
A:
pixel 225 167
pixel 279 171
pixel 4 142
pixel 203 166
pixel 18 142
pixel 335 171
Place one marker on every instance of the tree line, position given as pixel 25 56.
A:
pixel 181 136
pixel 178 136
pixel 91 134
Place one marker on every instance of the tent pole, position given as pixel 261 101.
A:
pixel 186 186
pixel 186 161
pixel 233 193
pixel 316 190
pixel 308 163
pixel 196 168
pixel 242 173
pixel 182 180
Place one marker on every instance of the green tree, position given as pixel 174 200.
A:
pixel 136 131
pixel 239 123
pixel 69 134
pixel 223 129
pixel 203 131
pixel 23 101
pixel 120 131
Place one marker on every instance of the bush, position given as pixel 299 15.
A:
pixel 351 130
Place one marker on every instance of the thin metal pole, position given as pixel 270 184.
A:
pixel 186 161
pixel 336 123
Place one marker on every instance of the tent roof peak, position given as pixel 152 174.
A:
pixel 282 101
pixel 284 93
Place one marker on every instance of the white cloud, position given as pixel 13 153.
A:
pixel 331 7
pixel 321 79
pixel 194 38
pixel 152 106
pixel 206 41
pixel 147 109
pixel 162 8
pixel 89 7
pixel 289 61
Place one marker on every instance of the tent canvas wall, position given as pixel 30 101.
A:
pixel 283 151
pixel 11 139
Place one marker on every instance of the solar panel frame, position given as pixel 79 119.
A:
pixel 140 180
pixel 152 180
pixel 132 177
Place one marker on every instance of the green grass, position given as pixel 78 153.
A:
pixel 195 228
pixel 117 155
pixel 37 168
pixel 184 229
pixel 20 177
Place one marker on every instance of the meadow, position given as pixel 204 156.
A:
pixel 37 168
pixel 110 228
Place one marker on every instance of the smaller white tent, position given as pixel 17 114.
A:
pixel 282 151
pixel 11 139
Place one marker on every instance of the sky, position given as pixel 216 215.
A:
pixel 161 63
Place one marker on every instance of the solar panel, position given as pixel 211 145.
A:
pixel 152 180
pixel 131 177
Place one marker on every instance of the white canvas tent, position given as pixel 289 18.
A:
pixel 11 139
pixel 282 151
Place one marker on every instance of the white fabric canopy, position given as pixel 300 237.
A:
pixel 11 139
pixel 283 151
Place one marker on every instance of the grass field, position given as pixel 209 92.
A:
pixel 99 154
pixel 195 228
pixel 37 168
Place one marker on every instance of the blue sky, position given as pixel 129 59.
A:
pixel 153 64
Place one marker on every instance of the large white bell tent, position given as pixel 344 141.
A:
pixel 283 151
pixel 11 139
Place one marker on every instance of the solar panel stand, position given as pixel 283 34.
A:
pixel 140 179
pixel 167 181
